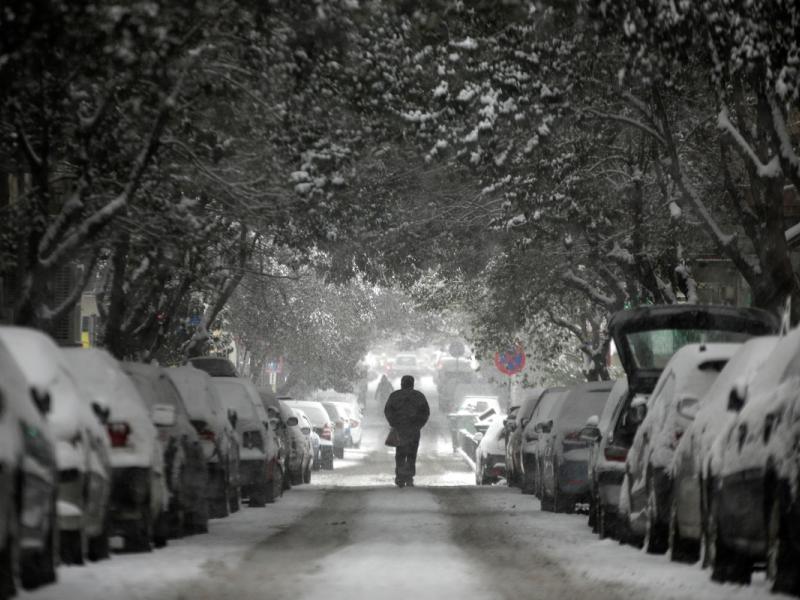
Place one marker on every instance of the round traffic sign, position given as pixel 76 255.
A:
pixel 456 349
pixel 510 362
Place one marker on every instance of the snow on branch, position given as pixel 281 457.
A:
pixel 769 170
pixel 782 132
pixel 629 121
pixel 591 291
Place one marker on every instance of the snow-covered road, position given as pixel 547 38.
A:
pixel 352 535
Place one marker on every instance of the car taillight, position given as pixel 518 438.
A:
pixel 354 423
pixel 118 434
pixel 573 436
pixel 615 453
pixel 207 435
pixel 326 432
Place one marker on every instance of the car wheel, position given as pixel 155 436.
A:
pixel 10 558
pixel 74 546
pixel 528 482
pixel 234 498
pixel 297 476
pixel 680 549
pixel 655 538
pixel 218 499
pixel 163 528
pixel 307 474
pixel 726 565
pixel 259 493
pixel 605 522
pixel 286 482
pixel 782 556
pixel 98 546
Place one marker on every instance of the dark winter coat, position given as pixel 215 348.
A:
pixel 407 412
pixel 384 389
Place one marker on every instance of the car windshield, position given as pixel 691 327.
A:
pixel 652 349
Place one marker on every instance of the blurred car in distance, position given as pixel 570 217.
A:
pixel 322 426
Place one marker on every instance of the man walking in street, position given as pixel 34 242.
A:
pixel 407 412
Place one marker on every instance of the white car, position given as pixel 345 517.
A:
pixel 647 485
pixel 313 439
pixel 259 471
pixel 322 426
pixel 217 436
pixel 139 492
pixel 82 447
pixel 28 474
pixel 490 457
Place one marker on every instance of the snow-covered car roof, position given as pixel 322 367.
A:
pixel 197 392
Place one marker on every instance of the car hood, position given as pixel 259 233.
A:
pixel 642 380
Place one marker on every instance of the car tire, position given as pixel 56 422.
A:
pixel 592 514
pixel 606 523
pixel 74 546
pixel 726 565
pixel 307 474
pixel 274 488
pixel 297 476
pixel 680 549
pixel 163 529
pixel 218 501
pixel 562 503
pixel 258 494
pixel 10 558
pixel 234 498
pixel 528 483
pixel 656 535
pixel 782 555
pixel 98 546
pixel 286 482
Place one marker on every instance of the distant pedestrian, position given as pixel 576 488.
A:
pixel 385 388
pixel 407 412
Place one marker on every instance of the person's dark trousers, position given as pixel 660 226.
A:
pixel 405 460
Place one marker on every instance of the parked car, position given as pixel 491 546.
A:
pixel 690 465
pixel 490 465
pixel 184 460
pixel 353 429
pixel 406 364
pixel 217 437
pixel 450 373
pixel 470 408
pixel 138 492
pixel 534 440
pixel 648 490
pixel 216 366
pixel 755 503
pixel 647 337
pixel 341 426
pixel 257 446
pixel 28 473
pixel 564 476
pixel 514 441
pixel 276 422
pixel 606 467
pixel 313 439
pixel 300 457
pixel 82 446
pixel 322 426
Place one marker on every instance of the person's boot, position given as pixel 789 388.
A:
pixel 399 482
pixel 410 482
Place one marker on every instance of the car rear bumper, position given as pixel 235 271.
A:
pixel 609 484
pixel 573 477
pixel 130 494
pixel 70 499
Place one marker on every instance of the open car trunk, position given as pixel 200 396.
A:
pixel 647 337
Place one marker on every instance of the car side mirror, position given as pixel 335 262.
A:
pixel 590 433
pixel 163 415
pixel 736 399
pixel 41 400
pixel 232 418
pixel 292 422
pixel 101 412
pixel 524 421
pixel 688 407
